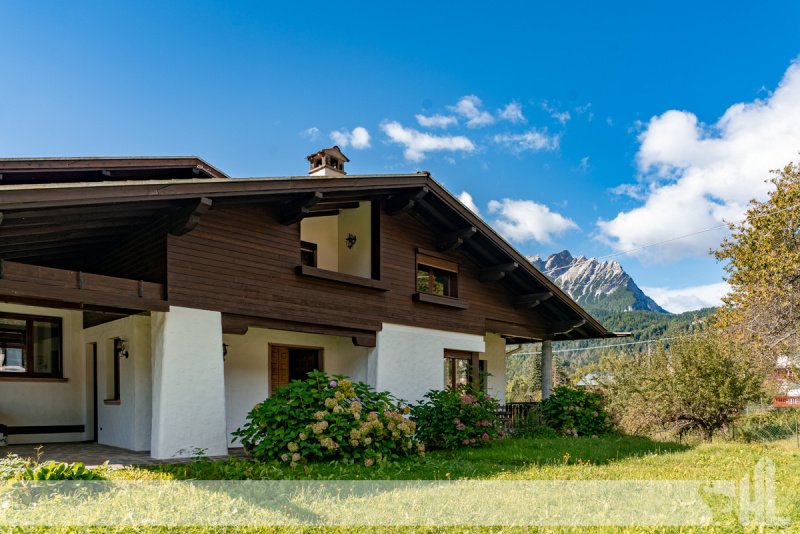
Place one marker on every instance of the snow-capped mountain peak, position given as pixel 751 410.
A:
pixel 597 285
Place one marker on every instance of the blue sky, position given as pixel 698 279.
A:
pixel 597 127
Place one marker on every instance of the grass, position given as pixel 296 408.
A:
pixel 608 458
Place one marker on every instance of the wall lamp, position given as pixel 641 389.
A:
pixel 120 347
pixel 350 240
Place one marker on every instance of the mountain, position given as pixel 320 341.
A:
pixel 602 287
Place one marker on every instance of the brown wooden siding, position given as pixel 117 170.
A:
pixel 141 256
pixel 239 260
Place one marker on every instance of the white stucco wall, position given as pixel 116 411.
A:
pixel 495 356
pixel 188 383
pixel 247 366
pixel 26 403
pixel 324 231
pixel 127 424
pixel 357 260
pixel 408 361
pixel 329 234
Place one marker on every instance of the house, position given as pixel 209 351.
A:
pixel 149 303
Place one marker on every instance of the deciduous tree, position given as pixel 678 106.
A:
pixel 763 264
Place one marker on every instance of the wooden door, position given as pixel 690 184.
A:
pixel 291 363
pixel 278 368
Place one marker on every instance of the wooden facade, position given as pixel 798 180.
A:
pixel 242 261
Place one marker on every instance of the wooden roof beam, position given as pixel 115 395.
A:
pixel 188 219
pixel 565 327
pixel 497 272
pixel 296 210
pixel 403 203
pixel 454 239
pixel 531 300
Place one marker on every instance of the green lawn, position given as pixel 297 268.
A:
pixel 609 458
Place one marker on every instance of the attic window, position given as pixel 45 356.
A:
pixel 437 276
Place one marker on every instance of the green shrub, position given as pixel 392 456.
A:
pixel 456 417
pixel 11 466
pixel 329 418
pixel 533 424
pixel 58 471
pixel 575 412
pixel 771 425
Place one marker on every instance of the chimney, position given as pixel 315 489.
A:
pixel 327 162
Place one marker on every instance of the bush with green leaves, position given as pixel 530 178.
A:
pixel 12 466
pixel 461 416
pixel 58 471
pixel 326 418
pixel 772 425
pixel 575 412
pixel 533 424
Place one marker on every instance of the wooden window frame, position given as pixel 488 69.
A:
pixel 311 247
pixel 435 264
pixel 288 346
pixel 474 363
pixel 29 362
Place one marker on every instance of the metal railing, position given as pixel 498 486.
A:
pixel 514 414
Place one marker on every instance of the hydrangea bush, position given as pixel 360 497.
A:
pixel 326 418
pixel 461 416
pixel 576 412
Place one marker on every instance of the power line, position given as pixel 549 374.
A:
pixel 676 238
pixel 609 346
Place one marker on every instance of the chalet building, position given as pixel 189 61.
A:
pixel 149 303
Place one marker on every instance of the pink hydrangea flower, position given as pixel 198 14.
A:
pixel 467 399
pixel 485 437
pixel 460 426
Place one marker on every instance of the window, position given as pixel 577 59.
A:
pixel 30 346
pixel 437 276
pixel 308 253
pixel 292 363
pixel 458 366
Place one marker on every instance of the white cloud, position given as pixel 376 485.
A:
pixel 635 191
pixel 561 116
pixel 525 220
pixel 698 175
pixel 688 298
pixel 512 112
pixel 358 138
pixel 533 140
pixel 584 164
pixel 436 121
pixel 310 133
pixel 466 199
pixel 469 107
pixel 417 144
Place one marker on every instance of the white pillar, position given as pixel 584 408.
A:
pixel 547 368
pixel 188 384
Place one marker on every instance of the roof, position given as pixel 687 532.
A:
pixel 104 169
pixel 61 224
pixel 335 150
